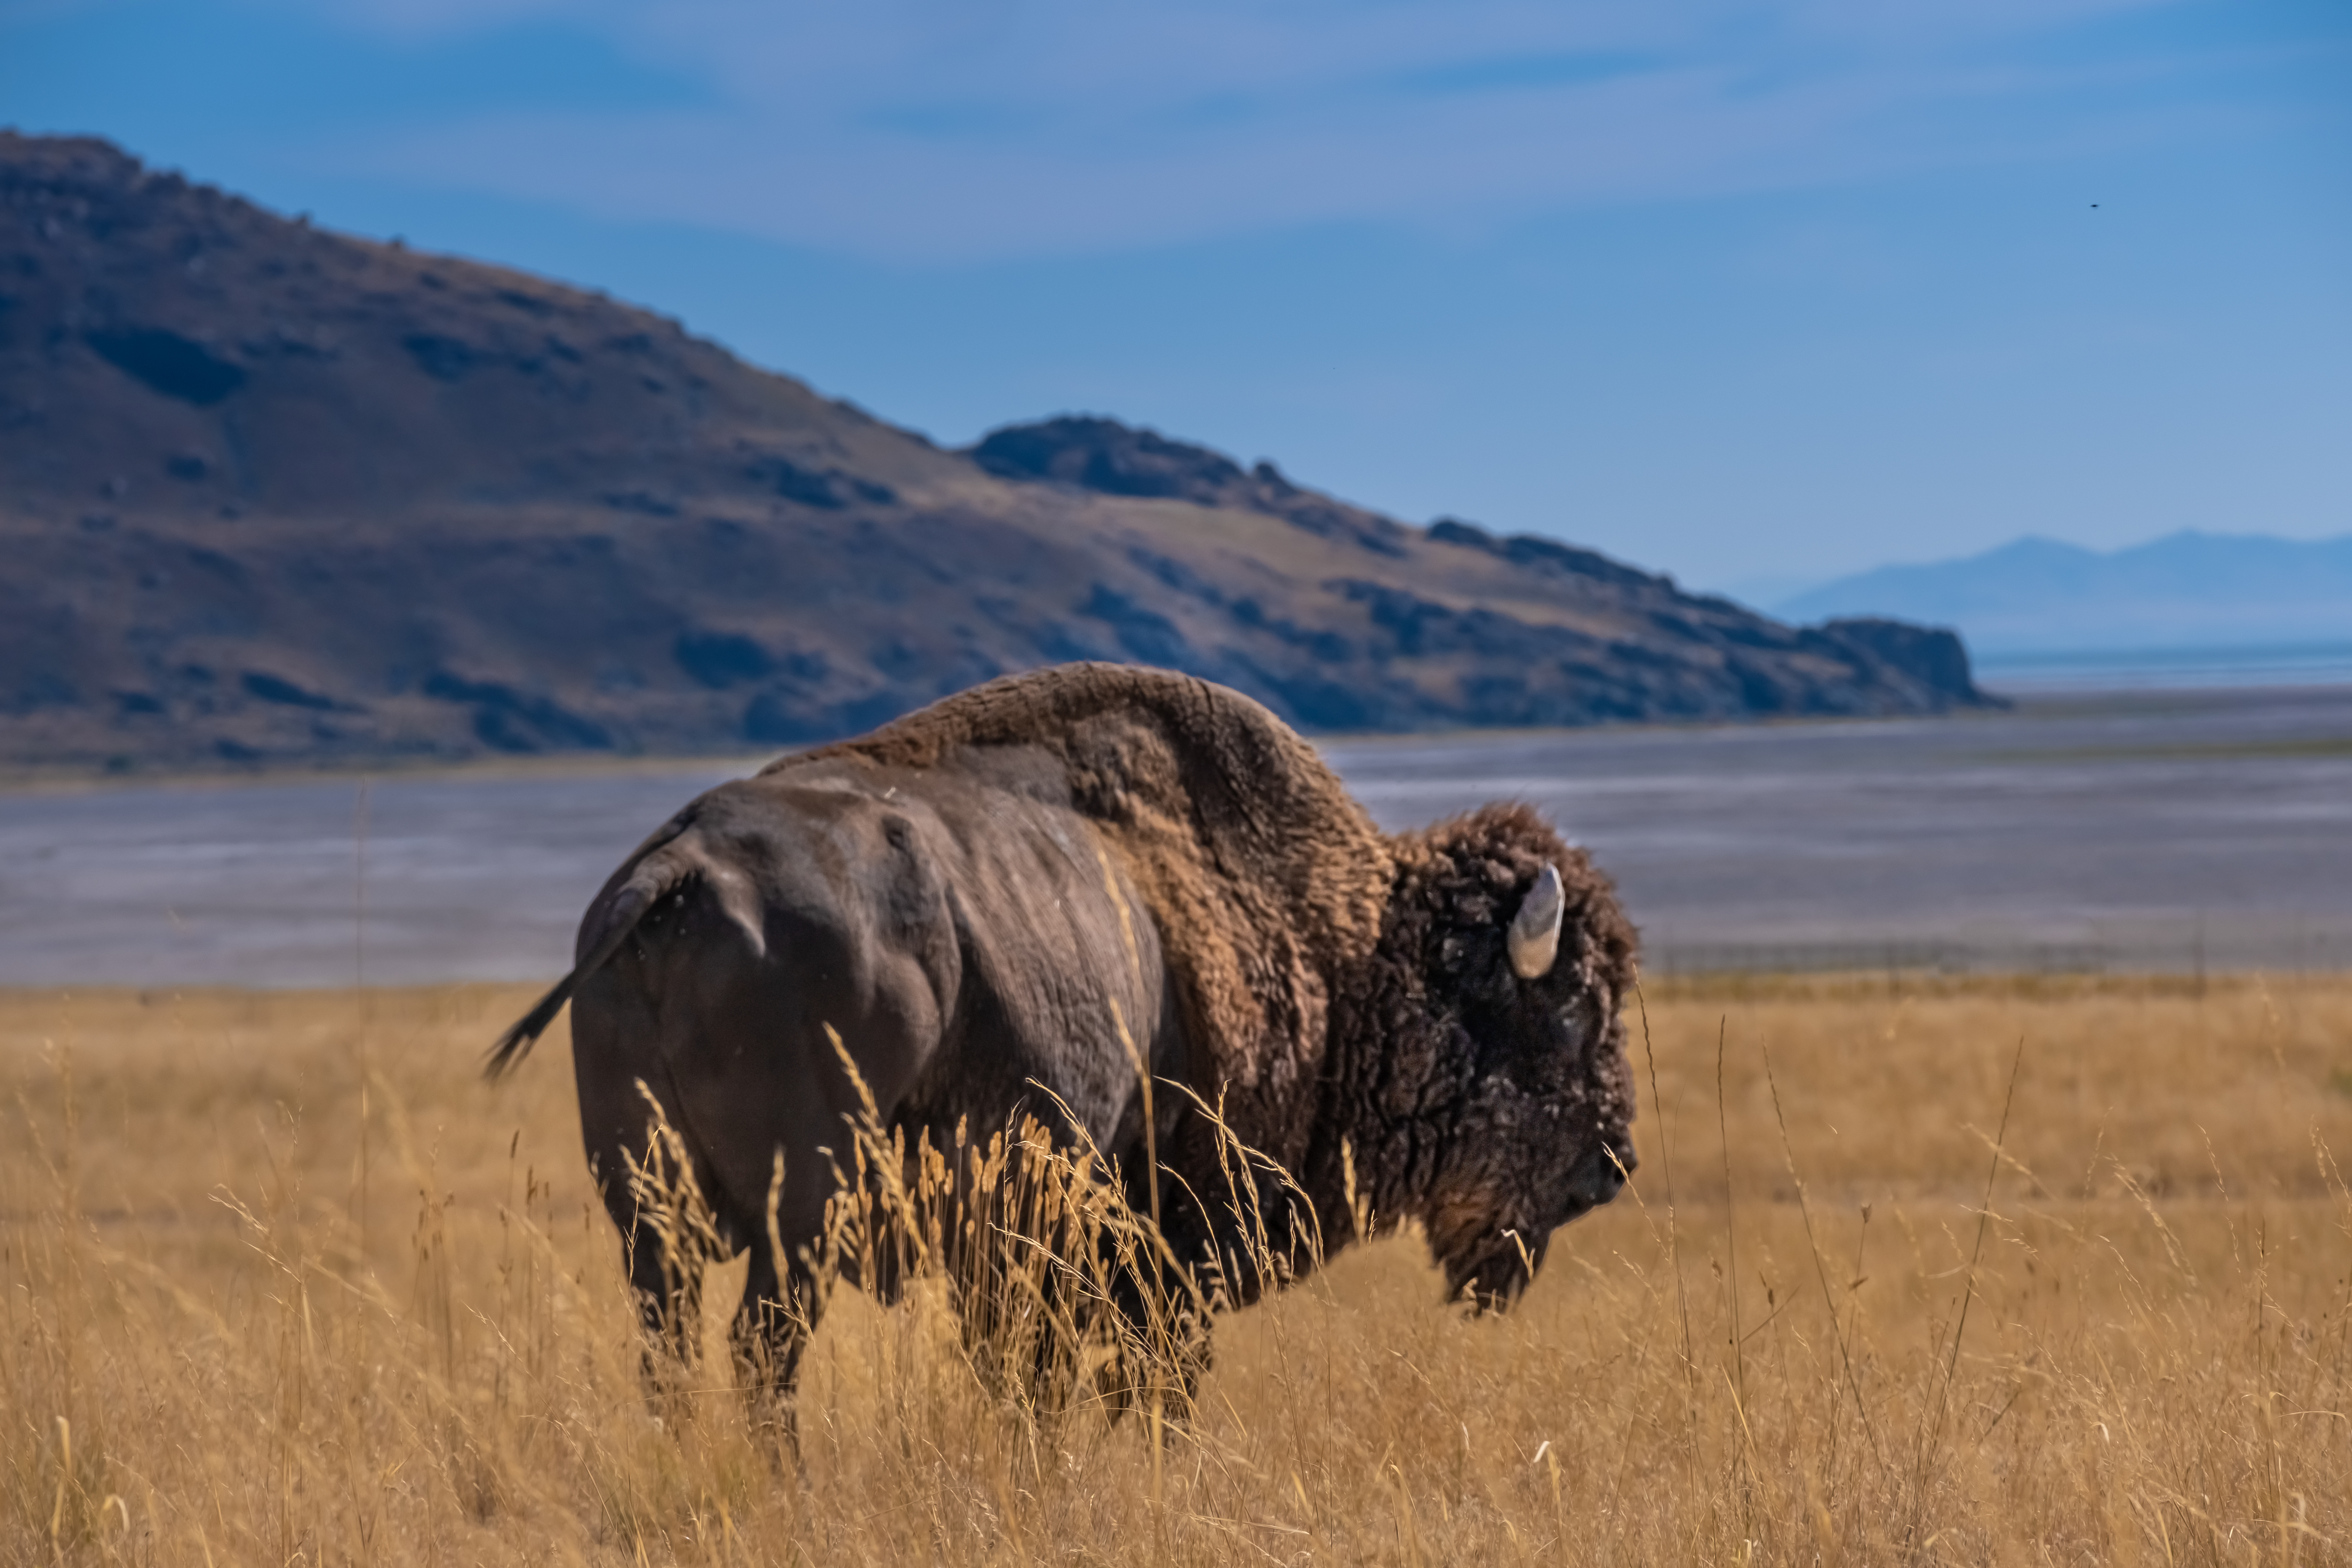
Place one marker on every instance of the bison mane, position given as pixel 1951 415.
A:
pixel 1402 1107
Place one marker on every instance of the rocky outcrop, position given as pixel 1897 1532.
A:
pixel 1091 453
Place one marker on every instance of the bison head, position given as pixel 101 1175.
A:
pixel 1503 1097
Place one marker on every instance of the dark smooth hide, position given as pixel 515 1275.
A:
pixel 960 936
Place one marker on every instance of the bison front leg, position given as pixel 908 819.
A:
pixel 1162 1346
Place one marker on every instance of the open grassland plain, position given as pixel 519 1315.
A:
pixel 286 1282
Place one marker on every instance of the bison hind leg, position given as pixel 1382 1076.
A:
pixel 666 1282
pixel 771 1328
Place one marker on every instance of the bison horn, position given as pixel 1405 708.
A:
pixel 1535 932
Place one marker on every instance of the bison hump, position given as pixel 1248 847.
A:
pixel 1264 877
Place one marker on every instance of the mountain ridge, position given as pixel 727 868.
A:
pixel 272 495
pixel 2185 589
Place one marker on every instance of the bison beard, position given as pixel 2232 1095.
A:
pixel 1007 903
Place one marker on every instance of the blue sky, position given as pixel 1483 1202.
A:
pixel 1754 294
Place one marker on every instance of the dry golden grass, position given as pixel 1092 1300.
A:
pixel 285 1282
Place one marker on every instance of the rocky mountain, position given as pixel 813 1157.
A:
pixel 270 494
pixel 2186 590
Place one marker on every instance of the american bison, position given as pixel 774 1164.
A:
pixel 997 905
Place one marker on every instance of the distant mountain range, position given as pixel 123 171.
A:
pixel 270 495
pixel 2184 591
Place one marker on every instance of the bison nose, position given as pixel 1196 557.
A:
pixel 1599 1176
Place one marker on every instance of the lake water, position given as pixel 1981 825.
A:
pixel 2019 672
pixel 2164 830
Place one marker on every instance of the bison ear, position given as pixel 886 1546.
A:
pixel 1535 930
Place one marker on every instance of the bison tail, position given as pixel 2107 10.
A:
pixel 608 924
pixel 516 1043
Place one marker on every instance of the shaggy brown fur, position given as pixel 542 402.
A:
pixel 1453 1095
pixel 1265 877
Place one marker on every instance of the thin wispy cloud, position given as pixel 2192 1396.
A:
pixel 929 132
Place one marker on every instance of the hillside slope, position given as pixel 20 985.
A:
pixel 273 494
